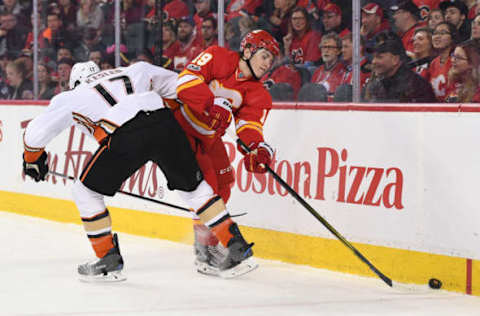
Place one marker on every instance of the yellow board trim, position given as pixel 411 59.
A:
pixel 401 265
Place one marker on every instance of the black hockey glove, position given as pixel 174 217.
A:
pixel 38 169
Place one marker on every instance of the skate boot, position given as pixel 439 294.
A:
pixel 105 269
pixel 209 257
pixel 207 253
pixel 238 260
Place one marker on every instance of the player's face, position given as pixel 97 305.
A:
pixel 476 28
pixel 460 62
pixel 454 16
pixel 384 64
pixel 299 21
pixel 441 37
pixel 261 62
pixel 421 44
pixel 330 51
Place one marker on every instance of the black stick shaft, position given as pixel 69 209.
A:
pixel 312 211
pixel 129 194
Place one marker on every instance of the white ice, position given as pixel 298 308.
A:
pixel 38 260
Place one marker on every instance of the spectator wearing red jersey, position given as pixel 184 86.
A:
pixel 209 32
pixel 425 6
pixel 170 45
pixel 456 12
pixel 463 77
pixel 203 9
pixel 175 9
pixel 347 57
pixel 276 17
pixel 406 18
pixel 285 75
pixel 330 74
pixel 189 47
pixel 434 18
pixel 242 8
pixel 332 20
pixel 443 38
pixel 474 10
pixel 301 44
pixel 423 50
pixel 373 22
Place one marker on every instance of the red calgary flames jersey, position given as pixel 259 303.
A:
pixel 439 77
pixel 305 48
pixel 215 73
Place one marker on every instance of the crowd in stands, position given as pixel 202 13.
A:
pixel 430 46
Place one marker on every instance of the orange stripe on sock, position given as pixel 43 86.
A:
pixel 222 232
pixel 102 245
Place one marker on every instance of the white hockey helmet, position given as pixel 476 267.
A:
pixel 80 71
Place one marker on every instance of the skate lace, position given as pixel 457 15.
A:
pixel 217 255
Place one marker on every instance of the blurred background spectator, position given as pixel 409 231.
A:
pixel 301 43
pixel 444 41
pixel 463 76
pixel 20 87
pixel 423 52
pixel 456 13
pixel 46 87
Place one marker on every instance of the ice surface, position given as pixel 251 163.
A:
pixel 38 277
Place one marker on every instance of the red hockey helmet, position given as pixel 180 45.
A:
pixel 260 39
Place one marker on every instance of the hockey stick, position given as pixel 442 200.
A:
pixel 128 193
pixel 312 211
pixel 53 173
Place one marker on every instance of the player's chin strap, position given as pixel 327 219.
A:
pixel 249 65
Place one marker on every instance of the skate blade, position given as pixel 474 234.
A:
pixel 114 276
pixel 242 268
pixel 205 268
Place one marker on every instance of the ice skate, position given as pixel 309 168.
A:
pixel 106 269
pixel 239 258
pixel 208 258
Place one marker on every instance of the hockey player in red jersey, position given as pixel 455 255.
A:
pixel 217 86
pixel 118 107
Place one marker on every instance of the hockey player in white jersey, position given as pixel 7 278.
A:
pixel 122 109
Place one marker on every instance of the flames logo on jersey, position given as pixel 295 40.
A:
pixel 297 55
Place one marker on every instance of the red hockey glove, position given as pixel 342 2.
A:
pixel 220 114
pixel 260 156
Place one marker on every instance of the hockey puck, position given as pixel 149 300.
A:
pixel 434 283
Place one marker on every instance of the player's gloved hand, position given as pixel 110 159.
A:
pixel 38 169
pixel 261 155
pixel 220 113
